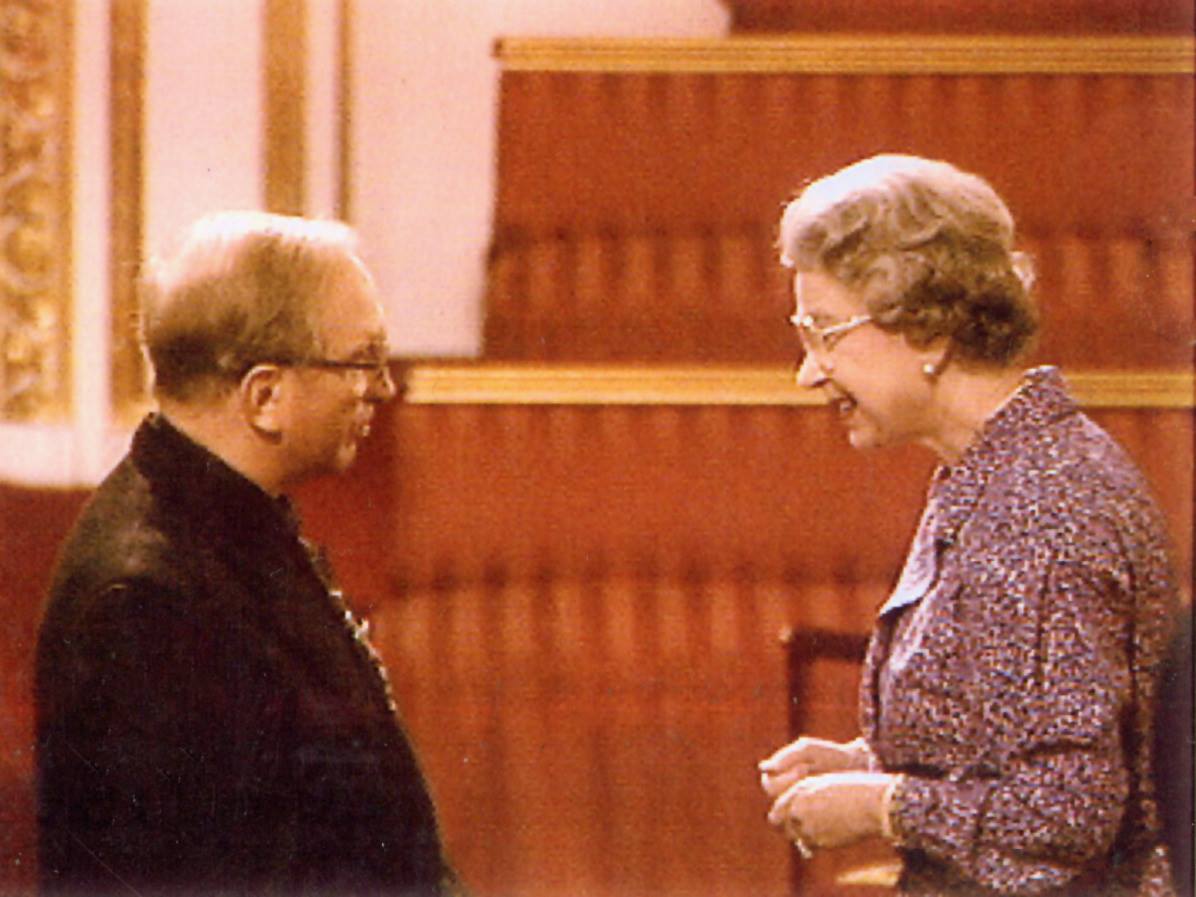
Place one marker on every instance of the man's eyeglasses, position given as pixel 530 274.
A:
pixel 378 368
pixel 374 366
pixel 820 340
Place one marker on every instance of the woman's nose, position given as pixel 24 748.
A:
pixel 810 373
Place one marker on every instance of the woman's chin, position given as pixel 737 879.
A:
pixel 863 437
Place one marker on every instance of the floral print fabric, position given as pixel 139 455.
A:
pixel 1012 674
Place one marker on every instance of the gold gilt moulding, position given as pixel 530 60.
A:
pixel 35 212
pixel 469 383
pixel 857 55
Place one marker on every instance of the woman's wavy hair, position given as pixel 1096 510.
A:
pixel 242 289
pixel 929 247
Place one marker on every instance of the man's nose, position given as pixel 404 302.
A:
pixel 810 373
pixel 382 385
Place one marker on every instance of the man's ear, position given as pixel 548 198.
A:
pixel 261 396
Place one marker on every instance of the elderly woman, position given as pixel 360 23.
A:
pixel 1006 699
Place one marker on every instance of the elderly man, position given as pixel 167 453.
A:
pixel 210 716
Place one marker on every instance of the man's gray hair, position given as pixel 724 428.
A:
pixel 242 289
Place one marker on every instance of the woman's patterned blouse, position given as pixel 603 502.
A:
pixel 1012 673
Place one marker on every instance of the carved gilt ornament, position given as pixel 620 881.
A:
pixel 34 210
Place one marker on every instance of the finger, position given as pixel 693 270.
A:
pixel 782 807
pixel 779 758
pixel 794 833
pixel 786 756
pixel 774 784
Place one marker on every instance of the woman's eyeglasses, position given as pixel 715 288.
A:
pixel 821 340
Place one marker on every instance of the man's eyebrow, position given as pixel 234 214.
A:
pixel 374 346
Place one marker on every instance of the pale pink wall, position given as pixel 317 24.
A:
pixel 423 141
pixel 203 112
pixel 422 150
pixel 423 130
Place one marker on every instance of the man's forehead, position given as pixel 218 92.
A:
pixel 355 326
pixel 376 339
pixel 351 312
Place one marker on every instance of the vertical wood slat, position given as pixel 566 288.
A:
pixel 616 491
pixel 1127 292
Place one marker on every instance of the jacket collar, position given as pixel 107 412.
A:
pixel 199 487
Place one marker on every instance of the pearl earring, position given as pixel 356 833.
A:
pixel 930 370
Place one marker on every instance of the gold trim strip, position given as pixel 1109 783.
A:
pixel 1137 389
pixel 37 168
pixel 285 89
pixel 65 52
pixel 128 23
pixel 468 383
pixel 345 75
pixel 857 55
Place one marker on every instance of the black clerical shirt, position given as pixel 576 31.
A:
pixel 207 721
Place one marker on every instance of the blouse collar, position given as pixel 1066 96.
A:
pixel 955 489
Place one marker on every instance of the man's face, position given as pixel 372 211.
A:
pixel 331 408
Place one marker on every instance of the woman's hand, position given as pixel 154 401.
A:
pixel 833 809
pixel 809 757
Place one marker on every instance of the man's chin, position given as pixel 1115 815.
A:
pixel 346 457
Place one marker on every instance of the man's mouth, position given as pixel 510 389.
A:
pixel 843 406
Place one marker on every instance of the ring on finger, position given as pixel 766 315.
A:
pixel 795 835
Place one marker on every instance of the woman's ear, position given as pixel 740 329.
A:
pixel 261 396
pixel 935 357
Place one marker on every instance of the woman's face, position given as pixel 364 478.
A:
pixel 871 378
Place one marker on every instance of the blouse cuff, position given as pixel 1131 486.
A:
pixel 866 759
pixel 889 806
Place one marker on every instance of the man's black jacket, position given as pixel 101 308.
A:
pixel 207 723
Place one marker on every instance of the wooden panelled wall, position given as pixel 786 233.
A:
pixel 32 523
pixel 581 606
pixel 638 219
pixel 592 594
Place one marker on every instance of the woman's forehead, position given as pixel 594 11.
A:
pixel 819 293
